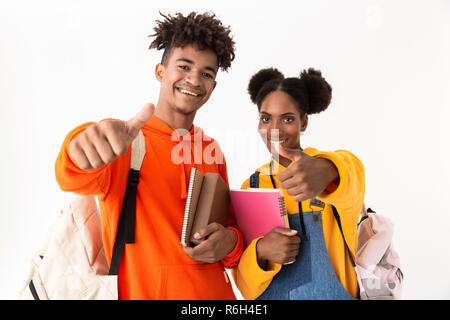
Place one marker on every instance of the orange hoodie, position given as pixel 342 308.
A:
pixel 155 266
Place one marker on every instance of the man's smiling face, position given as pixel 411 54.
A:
pixel 187 78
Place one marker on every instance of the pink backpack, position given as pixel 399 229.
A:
pixel 377 263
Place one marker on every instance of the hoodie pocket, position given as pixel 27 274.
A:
pixel 162 284
pixel 197 281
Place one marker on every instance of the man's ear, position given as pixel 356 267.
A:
pixel 159 71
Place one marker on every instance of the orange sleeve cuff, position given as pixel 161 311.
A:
pixel 70 177
pixel 231 260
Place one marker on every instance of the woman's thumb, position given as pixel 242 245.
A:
pixel 287 231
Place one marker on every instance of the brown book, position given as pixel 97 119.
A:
pixel 207 201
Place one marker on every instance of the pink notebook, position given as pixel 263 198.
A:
pixel 258 211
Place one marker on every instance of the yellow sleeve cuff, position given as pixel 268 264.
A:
pixel 349 195
pixel 338 163
pixel 250 279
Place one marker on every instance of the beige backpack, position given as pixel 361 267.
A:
pixel 71 263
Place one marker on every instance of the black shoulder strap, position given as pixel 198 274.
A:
pixel 338 220
pixel 364 217
pixel 254 180
pixel 126 226
pixel 127 220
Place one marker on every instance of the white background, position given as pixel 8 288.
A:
pixel 66 62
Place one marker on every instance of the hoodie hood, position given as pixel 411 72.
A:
pixel 189 143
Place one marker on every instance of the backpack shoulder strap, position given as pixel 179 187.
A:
pixel 137 151
pixel 338 220
pixel 127 219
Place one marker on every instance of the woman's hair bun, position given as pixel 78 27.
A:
pixel 319 91
pixel 260 78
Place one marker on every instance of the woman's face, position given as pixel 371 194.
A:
pixel 280 121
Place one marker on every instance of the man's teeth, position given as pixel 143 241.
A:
pixel 188 92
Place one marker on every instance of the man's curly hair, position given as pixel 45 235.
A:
pixel 203 30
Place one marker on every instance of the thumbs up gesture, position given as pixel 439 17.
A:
pixel 306 177
pixel 101 143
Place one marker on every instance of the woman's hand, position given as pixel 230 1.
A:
pixel 280 245
pixel 307 177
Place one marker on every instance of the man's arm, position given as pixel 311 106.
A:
pixel 81 165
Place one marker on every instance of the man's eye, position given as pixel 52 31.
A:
pixel 183 67
pixel 207 75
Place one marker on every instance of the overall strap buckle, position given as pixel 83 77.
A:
pixel 316 207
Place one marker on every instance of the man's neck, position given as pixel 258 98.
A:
pixel 174 119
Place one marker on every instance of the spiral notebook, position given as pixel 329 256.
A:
pixel 207 201
pixel 258 211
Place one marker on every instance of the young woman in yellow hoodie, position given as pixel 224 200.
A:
pixel 309 260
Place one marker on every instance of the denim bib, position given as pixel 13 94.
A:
pixel 311 276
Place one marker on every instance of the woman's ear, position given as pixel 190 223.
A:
pixel 304 122
pixel 159 71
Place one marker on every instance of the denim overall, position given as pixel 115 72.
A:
pixel 311 276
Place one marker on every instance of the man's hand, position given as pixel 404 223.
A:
pixel 280 245
pixel 218 242
pixel 307 177
pixel 103 142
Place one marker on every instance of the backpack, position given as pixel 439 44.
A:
pixel 377 264
pixel 71 263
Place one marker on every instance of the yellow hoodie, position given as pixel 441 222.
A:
pixel 348 199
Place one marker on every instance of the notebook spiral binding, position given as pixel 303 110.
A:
pixel 187 209
pixel 283 210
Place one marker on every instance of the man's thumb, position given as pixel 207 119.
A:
pixel 141 118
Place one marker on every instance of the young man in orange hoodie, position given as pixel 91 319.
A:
pixel 95 159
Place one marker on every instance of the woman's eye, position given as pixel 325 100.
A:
pixel 288 120
pixel 264 119
pixel 183 67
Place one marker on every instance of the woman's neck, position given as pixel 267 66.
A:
pixel 285 162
